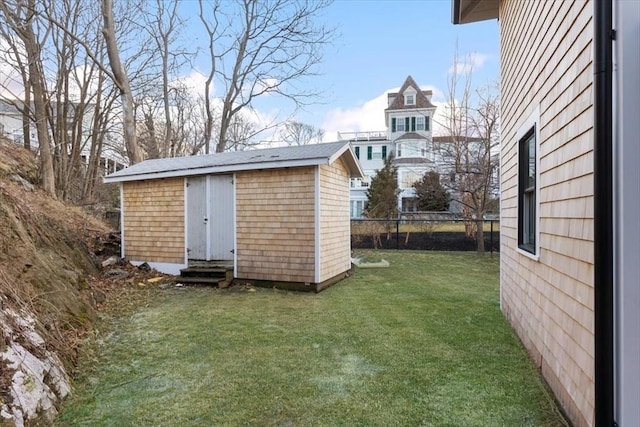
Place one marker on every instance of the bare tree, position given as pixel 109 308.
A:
pixel 258 48
pixel 121 79
pixel 298 133
pixel 468 148
pixel 14 55
pixel 20 16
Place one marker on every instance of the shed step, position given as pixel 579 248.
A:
pixel 200 280
pixel 203 271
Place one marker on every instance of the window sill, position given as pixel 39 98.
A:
pixel 535 257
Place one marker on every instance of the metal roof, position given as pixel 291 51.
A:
pixel 235 161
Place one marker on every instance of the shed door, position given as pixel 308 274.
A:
pixel 221 217
pixel 197 217
pixel 210 217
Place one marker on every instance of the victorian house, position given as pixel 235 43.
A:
pixel 408 118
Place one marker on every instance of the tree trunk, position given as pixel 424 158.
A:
pixel 37 86
pixel 26 117
pixel 122 81
pixel 480 235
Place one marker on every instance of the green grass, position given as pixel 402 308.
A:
pixel 421 343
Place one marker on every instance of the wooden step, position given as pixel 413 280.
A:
pixel 200 280
pixel 204 272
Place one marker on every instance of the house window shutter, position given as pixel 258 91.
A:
pixel 407 123
pixel 393 124
pixel 426 122
pixel 384 151
pixel 413 124
pixel 369 153
pixel 358 152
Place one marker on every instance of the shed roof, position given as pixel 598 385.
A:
pixel 235 161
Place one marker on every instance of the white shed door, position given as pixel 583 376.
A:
pixel 210 219
pixel 221 218
pixel 197 217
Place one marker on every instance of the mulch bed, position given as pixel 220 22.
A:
pixel 438 241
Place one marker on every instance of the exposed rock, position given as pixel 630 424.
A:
pixel 117 273
pixel 110 261
pixel 38 379
pixel 20 180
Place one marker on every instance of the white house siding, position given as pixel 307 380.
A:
pixel 549 301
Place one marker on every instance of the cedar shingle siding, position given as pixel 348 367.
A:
pixel 549 301
pixel 335 225
pixel 275 224
pixel 153 213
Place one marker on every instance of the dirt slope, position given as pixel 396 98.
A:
pixel 46 257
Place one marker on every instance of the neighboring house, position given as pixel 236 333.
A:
pixel 279 215
pixel 408 117
pixel 11 127
pixel 570 195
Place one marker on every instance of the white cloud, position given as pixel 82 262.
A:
pixel 369 116
pixel 10 80
pixel 473 61
pixel 266 85
pixel 194 83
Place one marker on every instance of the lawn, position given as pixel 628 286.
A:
pixel 422 342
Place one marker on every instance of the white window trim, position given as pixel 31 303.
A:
pixel 533 121
pixel 406 99
pixel 407 93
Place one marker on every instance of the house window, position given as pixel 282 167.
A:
pixel 357 206
pixel 527 192
pixel 420 123
pixel 400 122
pixel 378 152
pixel 412 149
pixel 369 152
pixel 409 204
pixel 357 149
pixel 409 99
pixel 409 178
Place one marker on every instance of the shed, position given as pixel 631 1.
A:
pixel 278 215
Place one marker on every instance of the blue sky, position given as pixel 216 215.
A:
pixel 378 44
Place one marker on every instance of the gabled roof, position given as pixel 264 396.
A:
pixel 422 100
pixel 235 161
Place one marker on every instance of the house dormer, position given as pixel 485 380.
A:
pixel 410 97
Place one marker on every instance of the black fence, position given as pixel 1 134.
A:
pixel 424 234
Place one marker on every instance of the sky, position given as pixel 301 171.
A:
pixel 381 43
pixel 378 44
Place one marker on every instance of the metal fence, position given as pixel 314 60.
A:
pixel 424 234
